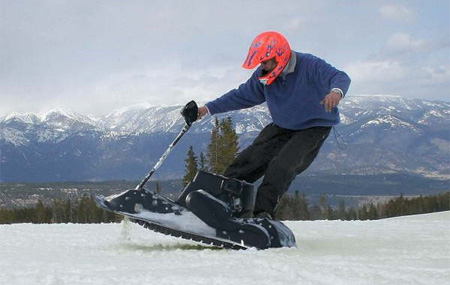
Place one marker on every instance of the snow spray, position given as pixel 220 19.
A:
pixel 125 234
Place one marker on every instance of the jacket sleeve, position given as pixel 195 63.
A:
pixel 247 95
pixel 324 73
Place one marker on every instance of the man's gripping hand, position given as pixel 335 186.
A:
pixel 331 100
pixel 202 111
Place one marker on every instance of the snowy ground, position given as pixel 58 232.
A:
pixel 405 250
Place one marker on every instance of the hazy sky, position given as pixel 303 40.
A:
pixel 97 56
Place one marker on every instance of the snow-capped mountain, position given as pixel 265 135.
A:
pixel 53 126
pixel 377 134
pixel 146 119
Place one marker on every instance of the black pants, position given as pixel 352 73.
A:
pixel 280 155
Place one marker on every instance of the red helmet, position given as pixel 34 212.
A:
pixel 266 46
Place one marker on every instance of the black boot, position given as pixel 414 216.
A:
pixel 217 214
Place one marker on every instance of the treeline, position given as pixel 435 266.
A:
pixel 295 207
pixel 291 207
pixel 83 211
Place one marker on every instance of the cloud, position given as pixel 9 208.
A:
pixel 396 12
pixel 376 71
pixel 403 42
pixel 436 74
pixel 170 84
pixel 111 53
pixel 405 65
pixel 295 24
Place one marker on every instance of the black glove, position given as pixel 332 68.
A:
pixel 190 112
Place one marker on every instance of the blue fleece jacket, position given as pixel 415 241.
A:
pixel 294 97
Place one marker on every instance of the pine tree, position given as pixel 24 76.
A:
pixel 68 210
pixel 363 213
pixel 202 162
pixel 213 148
pixel 304 208
pixel 342 214
pixel 94 213
pixel 372 213
pixel 191 166
pixel 295 208
pixel 352 214
pixel 284 210
pixel 7 216
pixel 57 211
pixel 300 207
pixel 82 210
pixel 228 142
pixel 223 146
pixel 316 212
pixel 157 188
pixel 324 205
pixel 41 213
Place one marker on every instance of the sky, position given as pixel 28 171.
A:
pixel 94 57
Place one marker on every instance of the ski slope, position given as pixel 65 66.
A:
pixel 404 250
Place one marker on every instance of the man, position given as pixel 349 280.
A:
pixel 302 93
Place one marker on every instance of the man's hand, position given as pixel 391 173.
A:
pixel 331 100
pixel 202 111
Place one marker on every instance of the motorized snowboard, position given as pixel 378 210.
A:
pixel 207 211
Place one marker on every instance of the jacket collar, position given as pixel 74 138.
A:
pixel 291 65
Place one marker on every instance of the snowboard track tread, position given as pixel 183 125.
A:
pixel 188 236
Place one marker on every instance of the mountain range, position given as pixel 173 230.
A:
pixel 377 134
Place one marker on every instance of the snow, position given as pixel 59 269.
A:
pixel 404 250
pixel 146 118
pixel 67 113
pixel 13 136
pixel 27 118
pixel 391 121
